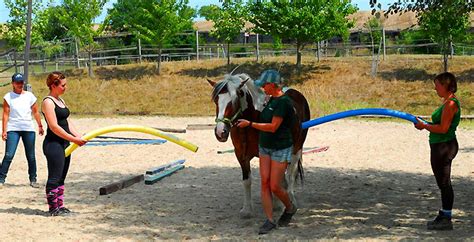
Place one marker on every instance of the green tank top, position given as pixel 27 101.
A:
pixel 282 138
pixel 436 119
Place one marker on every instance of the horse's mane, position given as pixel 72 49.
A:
pixel 233 82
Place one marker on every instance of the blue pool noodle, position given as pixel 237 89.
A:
pixel 357 112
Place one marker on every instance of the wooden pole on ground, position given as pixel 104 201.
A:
pixel 120 184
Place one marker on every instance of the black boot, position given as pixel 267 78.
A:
pixel 441 222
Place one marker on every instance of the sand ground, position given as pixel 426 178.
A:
pixel 374 182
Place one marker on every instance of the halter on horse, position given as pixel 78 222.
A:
pixel 236 97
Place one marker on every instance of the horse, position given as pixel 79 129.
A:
pixel 237 97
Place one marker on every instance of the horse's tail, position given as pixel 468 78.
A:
pixel 303 114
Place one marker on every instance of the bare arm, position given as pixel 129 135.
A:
pixel 6 114
pixel 266 127
pixel 36 115
pixel 50 115
pixel 450 108
pixel 73 129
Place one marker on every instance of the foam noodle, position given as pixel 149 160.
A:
pixel 357 112
pixel 133 128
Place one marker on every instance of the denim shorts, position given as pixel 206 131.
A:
pixel 281 155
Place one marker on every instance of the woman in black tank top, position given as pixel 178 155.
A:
pixel 59 133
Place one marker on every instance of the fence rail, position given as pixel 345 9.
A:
pixel 70 58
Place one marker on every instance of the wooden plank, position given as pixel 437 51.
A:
pixel 200 126
pixel 120 184
pixel 316 150
pixel 171 130
pixel 164 167
pixel 152 179
pixel 225 151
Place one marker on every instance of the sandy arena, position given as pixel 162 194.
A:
pixel 374 182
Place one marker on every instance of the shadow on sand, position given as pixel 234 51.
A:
pixel 203 203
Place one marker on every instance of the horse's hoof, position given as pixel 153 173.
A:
pixel 245 214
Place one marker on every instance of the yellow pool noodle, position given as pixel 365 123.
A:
pixel 133 128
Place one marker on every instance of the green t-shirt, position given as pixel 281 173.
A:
pixel 281 107
pixel 436 119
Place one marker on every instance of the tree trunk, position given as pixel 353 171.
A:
pixel 228 53
pixel 90 71
pixel 445 62
pixel 298 55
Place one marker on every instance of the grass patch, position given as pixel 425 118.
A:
pixel 333 85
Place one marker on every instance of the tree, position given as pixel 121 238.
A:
pixel 444 26
pixel 49 23
pixel 153 21
pixel 444 21
pixel 15 31
pixel 303 21
pixel 229 21
pixel 78 17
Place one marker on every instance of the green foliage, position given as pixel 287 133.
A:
pixel 445 24
pixel 49 23
pixel 304 21
pixel 229 20
pixel 78 17
pixel 419 6
pixel 209 12
pixel 155 22
pixel 115 19
pixel 15 30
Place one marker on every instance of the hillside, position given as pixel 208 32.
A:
pixel 337 84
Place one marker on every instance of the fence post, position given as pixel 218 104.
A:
pixel 14 60
pixel 28 43
pixel 197 44
pixel 383 37
pixel 258 48
pixel 78 64
pixel 139 50
pixel 319 50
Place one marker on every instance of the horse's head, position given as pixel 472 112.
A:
pixel 230 97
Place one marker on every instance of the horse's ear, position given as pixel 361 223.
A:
pixel 243 83
pixel 213 83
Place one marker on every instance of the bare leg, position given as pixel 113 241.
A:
pixel 266 194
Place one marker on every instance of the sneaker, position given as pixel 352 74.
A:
pixel 267 227
pixel 34 184
pixel 65 210
pixel 286 216
pixel 2 184
pixel 54 212
pixel 441 222
pixel 60 212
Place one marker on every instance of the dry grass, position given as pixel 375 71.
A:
pixel 332 85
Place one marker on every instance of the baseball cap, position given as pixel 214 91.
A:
pixel 268 76
pixel 17 77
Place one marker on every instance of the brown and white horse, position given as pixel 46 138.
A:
pixel 236 97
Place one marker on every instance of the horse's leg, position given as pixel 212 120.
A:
pixel 247 210
pixel 291 173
